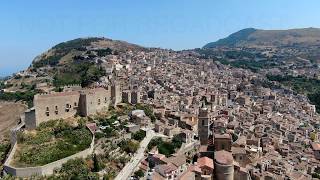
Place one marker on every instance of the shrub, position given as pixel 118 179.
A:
pixel 4 150
pixel 104 52
pixel 74 169
pixel 139 135
pixel 128 146
pixel 166 148
pixel 139 173
pixel 177 142
pixel 97 164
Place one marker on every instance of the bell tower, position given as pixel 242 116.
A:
pixel 203 124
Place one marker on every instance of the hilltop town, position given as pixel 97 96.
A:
pixel 161 114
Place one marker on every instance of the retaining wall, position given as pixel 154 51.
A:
pixel 47 169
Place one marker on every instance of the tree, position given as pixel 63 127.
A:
pixel 177 141
pixel 139 135
pixel 129 146
pixel 96 164
pixel 139 173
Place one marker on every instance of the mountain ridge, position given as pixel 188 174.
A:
pixel 259 37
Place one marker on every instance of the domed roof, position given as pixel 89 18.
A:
pixel 223 157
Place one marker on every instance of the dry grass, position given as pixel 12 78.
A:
pixel 9 116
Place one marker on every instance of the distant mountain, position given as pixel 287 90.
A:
pixel 251 37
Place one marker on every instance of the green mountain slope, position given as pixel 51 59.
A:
pixel 251 37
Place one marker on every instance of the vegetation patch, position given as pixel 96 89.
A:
pixel 147 110
pixel 166 147
pixel 63 49
pixel 253 65
pixel 26 96
pixel 51 141
pixel 302 85
pixel 104 52
pixel 48 61
pixel 83 73
pixel 129 146
pixel 4 150
pixel 139 135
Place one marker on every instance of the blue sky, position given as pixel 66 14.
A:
pixel 28 28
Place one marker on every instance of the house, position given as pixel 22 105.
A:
pixel 316 150
pixel 222 142
pixel 206 166
pixel 168 171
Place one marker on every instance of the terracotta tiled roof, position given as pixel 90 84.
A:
pixel 178 160
pixel 205 161
pixel 92 127
pixel 223 157
pixel 194 168
pixel 315 146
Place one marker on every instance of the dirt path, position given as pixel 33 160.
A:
pixel 9 116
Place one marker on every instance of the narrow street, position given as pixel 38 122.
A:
pixel 137 157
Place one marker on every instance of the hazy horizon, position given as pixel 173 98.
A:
pixel 30 28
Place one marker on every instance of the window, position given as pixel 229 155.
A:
pixel 56 110
pixel 67 107
pixel 47 111
pixel 75 104
pixel 202 122
pixel 99 101
pixel 222 146
pixel 105 100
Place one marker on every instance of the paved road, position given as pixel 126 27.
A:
pixel 188 147
pixel 137 157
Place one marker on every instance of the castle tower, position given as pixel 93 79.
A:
pixel 116 94
pixel 223 165
pixel 203 124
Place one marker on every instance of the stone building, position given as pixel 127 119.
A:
pixel 223 165
pixel 204 122
pixel 126 96
pixel 135 97
pixel 62 105
pixel 116 94
pixel 222 142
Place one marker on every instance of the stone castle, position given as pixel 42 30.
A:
pixel 72 101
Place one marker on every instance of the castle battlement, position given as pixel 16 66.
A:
pixel 72 85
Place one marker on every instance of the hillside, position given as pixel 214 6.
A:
pixel 78 61
pixel 251 37
pixel 64 52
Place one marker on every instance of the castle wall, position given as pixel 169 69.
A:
pixel 224 172
pixel 94 100
pixel 30 118
pixel 67 104
pixel 55 106
pixel 116 94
